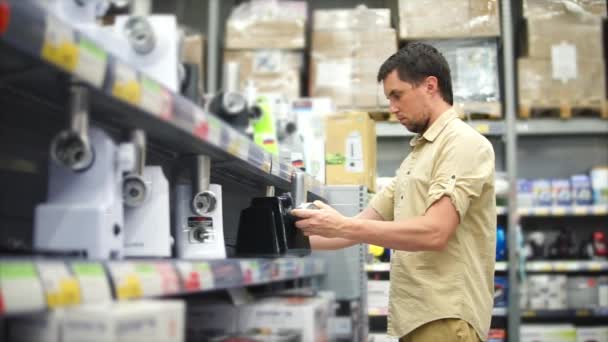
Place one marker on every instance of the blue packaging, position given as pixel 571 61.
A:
pixel 525 197
pixel 581 189
pixel 501 290
pixel 542 192
pixel 501 243
pixel 561 191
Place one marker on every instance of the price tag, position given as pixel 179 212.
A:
pixel 541 211
pixel 583 313
pixel 215 130
pixel 59 46
pixel 251 272
pixel 60 286
pixel 233 143
pixel 529 313
pixel 20 288
pixel 92 62
pixel 196 276
pixel 559 211
pixel 126 85
pixel 267 164
pixel 243 147
pixel 580 211
pixel 276 166
pixel 277 270
pixel 561 267
pixel 152 97
pixel 595 267
pixel 483 128
pixel 94 284
pixel 126 280
pixel 600 209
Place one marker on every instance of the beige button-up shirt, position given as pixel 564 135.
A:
pixel 449 159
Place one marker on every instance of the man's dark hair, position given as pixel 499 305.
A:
pixel 417 61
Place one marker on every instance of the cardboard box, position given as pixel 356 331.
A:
pixel 378 294
pixel 344 66
pixel 205 320
pixel 545 36
pixel 140 321
pixel 457 18
pixel 547 333
pixel 267 25
pixel 308 315
pixel 592 334
pixel 360 18
pixel 271 71
pixel 553 8
pixel 541 81
pixel 474 70
pixel 350 150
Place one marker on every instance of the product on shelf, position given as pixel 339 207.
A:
pixel 582 292
pixel 457 19
pixel 474 70
pixel 208 319
pixel 501 292
pixel 534 247
pixel 345 59
pixel 268 71
pixel 602 290
pixel 267 25
pixel 501 243
pixel 599 183
pixel 592 334
pixel 547 333
pixel 595 247
pixel 497 335
pixel 564 246
pixel 350 154
pixel 525 194
pixel 562 194
pixel 546 292
pixel 581 189
pixel 555 8
pixel 378 295
pixel 542 192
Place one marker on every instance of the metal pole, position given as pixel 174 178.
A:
pixel 213 45
pixel 514 316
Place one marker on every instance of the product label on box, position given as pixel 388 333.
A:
pixel 354 152
pixel 91 62
pixel 268 61
pixel 563 62
pixel 94 284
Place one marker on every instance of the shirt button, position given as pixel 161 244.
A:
pixel 408 172
pixel 401 196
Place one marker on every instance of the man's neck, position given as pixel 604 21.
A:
pixel 437 109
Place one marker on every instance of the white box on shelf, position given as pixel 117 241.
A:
pixel 592 334
pixel 547 333
pixel 206 319
pixel 377 294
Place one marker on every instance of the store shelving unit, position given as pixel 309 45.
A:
pixel 40 55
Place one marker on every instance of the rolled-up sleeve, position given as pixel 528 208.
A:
pixel 461 171
pixel 383 202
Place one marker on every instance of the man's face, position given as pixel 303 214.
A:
pixel 407 101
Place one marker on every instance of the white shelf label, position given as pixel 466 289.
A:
pixel 60 286
pixel 59 47
pixel 251 272
pixel 20 288
pixel 92 62
pixel 94 284
pixel 196 276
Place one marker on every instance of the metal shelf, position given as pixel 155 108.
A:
pixel 575 126
pixel 582 210
pixel 54 51
pixel 383 312
pixel 501 266
pixel 567 266
pixel 385 129
pixel 30 285
pixel 566 313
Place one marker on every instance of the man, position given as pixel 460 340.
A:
pixel 438 214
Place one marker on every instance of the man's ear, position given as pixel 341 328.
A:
pixel 431 84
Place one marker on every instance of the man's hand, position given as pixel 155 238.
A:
pixel 325 221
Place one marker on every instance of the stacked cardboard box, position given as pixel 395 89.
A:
pixel 565 58
pixel 348 48
pixel 350 150
pixel 456 19
pixel 264 37
pixel 474 70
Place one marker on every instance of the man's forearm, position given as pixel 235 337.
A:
pixel 416 234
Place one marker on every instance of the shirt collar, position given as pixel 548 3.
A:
pixel 436 128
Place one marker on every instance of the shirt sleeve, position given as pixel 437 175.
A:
pixel 383 202
pixel 461 171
